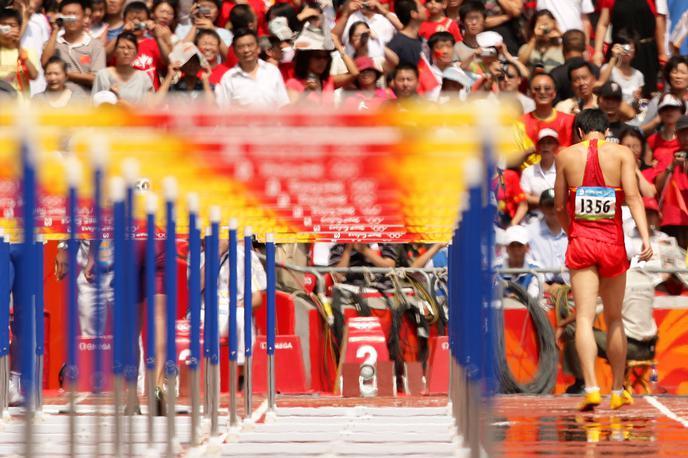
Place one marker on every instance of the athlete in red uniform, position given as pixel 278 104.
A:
pixel 593 178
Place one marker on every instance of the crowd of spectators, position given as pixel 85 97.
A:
pixel 550 59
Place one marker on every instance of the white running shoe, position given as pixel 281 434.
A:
pixel 15 396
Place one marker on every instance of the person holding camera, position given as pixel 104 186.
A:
pixel 630 79
pixel 204 13
pixel 383 24
pixel 82 54
pixel 17 65
pixel 672 187
pixel 544 48
pixel 664 143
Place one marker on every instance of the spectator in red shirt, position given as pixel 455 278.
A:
pixel 672 186
pixel 149 58
pixel 438 21
pixel 664 143
pixel 542 88
pixel 511 200
pixel 208 43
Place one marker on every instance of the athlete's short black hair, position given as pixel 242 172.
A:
pixel 591 120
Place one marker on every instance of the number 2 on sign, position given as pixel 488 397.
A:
pixel 369 353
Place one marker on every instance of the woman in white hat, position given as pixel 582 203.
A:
pixel 312 82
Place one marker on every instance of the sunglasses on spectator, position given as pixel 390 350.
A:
pixel 543 89
pixel 505 76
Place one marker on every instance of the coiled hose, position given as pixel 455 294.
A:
pixel 548 355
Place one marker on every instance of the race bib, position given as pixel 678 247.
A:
pixel 595 203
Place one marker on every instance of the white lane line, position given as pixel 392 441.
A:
pixel 260 411
pixel 666 411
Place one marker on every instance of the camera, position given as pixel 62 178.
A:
pixel 546 30
pixel 681 155
pixel 626 49
pixel 204 11
pixel 5 29
pixel 488 52
pixel 140 26
pixel 365 36
pixel 62 20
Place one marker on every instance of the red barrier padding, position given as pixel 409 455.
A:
pixel 85 350
pixel 284 314
pixel 290 376
pixel 182 289
pixel 438 367
pixel 184 355
pixel 364 342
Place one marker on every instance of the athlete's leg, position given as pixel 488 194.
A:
pixel 612 294
pixel 160 338
pixel 585 284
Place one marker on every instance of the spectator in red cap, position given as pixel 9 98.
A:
pixel 672 185
pixel 368 95
pixel 540 177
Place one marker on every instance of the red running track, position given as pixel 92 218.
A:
pixel 526 426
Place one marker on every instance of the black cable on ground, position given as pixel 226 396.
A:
pixel 548 354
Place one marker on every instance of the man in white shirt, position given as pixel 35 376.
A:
pixel 548 242
pixel 540 177
pixel 570 14
pixel 35 37
pixel 252 83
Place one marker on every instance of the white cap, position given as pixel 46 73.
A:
pixel 500 236
pixel 489 39
pixel 104 98
pixel 517 234
pixel 457 75
pixel 544 133
pixel 669 101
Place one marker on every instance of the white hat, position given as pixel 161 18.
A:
pixel 456 74
pixel 669 101
pixel 104 98
pixel 489 39
pixel 183 52
pixel 544 133
pixel 500 236
pixel 517 234
pixel 279 27
pixel 312 39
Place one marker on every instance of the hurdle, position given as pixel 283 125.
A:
pixel 118 217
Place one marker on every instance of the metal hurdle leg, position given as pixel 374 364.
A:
pixel 248 388
pixel 195 405
pixel 117 431
pixel 4 382
pixel 233 417
pixel 171 406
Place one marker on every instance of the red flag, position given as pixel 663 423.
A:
pixel 426 79
pixel 671 195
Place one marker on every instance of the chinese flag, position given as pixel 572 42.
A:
pixel 426 79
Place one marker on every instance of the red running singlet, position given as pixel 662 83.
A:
pixel 596 235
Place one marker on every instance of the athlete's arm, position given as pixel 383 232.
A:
pixel 629 183
pixel 561 192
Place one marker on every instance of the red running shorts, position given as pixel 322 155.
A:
pixel 610 260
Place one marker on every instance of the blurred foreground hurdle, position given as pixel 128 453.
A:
pixel 281 177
